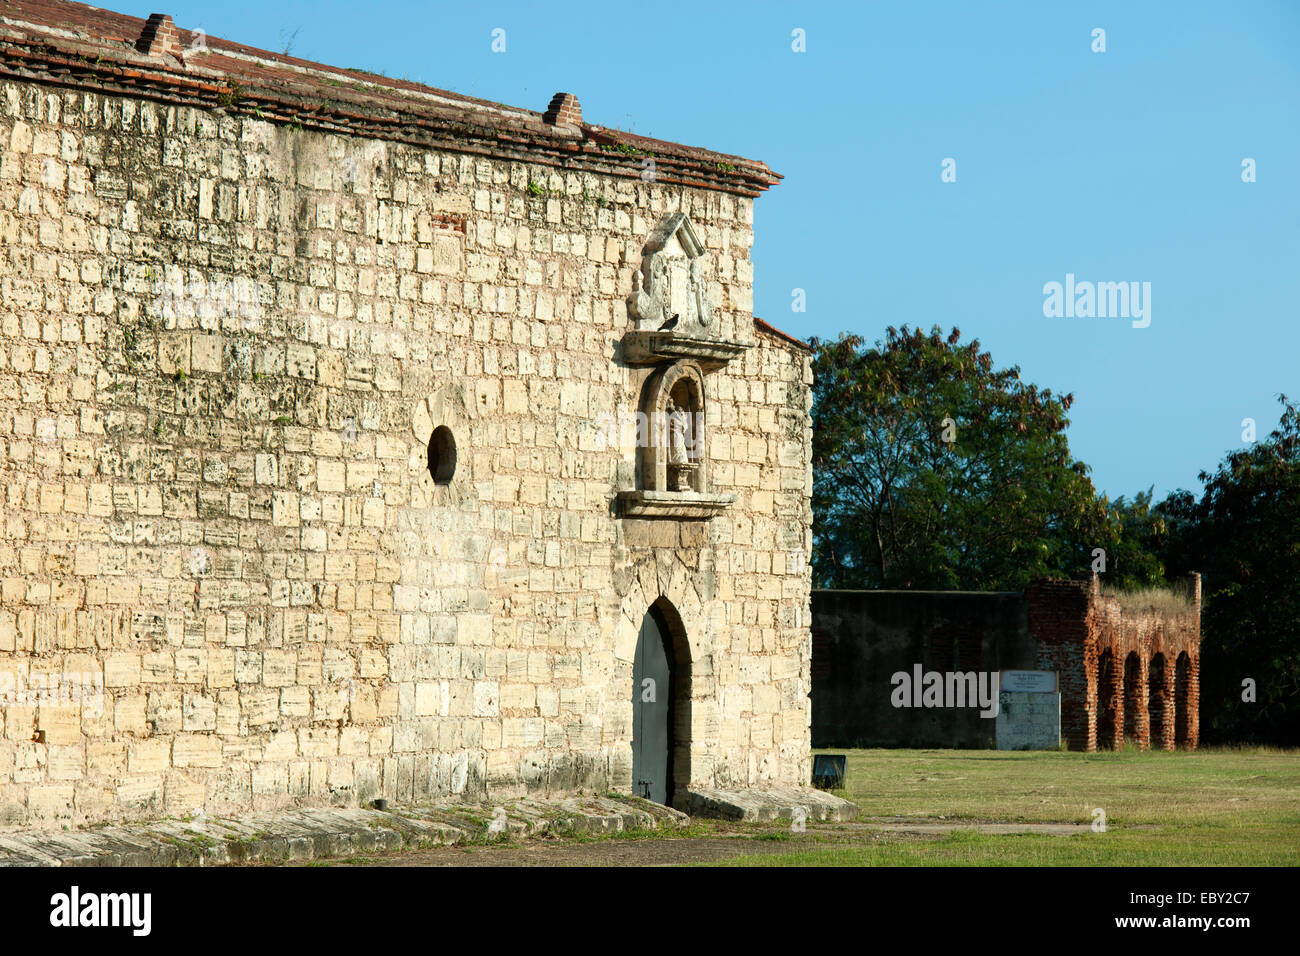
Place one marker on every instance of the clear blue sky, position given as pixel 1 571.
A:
pixel 1115 166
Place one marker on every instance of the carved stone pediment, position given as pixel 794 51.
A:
pixel 670 301
pixel 668 291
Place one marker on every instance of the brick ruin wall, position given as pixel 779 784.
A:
pixel 223 343
pixel 1126 673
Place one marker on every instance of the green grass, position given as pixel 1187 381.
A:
pixel 1232 788
pixel 1221 807
pixel 1113 848
pixel 1167 601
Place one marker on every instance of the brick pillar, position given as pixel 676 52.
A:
pixel 1194 671
pixel 1059 625
pixel 1144 708
pixel 1160 696
pixel 1110 701
pixel 1137 722
pixel 1186 701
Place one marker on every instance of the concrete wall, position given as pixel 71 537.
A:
pixel 861 638
pixel 224 344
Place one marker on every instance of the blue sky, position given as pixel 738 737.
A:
pixel 1117 166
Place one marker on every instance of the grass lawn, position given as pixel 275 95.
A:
pixel 1237 807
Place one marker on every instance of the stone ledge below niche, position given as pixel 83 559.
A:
pixel 688 505
pixel 647 346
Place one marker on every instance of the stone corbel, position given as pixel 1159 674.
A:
pixel 672 504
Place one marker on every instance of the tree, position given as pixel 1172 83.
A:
pixel 1244 536
pixel 1139 537
pixel 932 469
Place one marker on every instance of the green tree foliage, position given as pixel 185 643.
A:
pixel 933 469
pixel 1139 537
pixel 1244 536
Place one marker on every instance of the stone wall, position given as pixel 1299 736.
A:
pixel 224 347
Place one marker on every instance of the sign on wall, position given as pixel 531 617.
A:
pixel 1029 711
pixel 1029 682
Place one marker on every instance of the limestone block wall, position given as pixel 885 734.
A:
pixel 224 347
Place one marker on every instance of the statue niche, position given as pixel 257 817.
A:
pixel 676 331
pixel 674 456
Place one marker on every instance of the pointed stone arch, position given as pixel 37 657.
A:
pixel 671 588
pixel 669 625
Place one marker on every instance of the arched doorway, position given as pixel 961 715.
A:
pixel 660 705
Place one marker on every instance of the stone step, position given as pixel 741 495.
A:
pixel 324 833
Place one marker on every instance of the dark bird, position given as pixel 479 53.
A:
pixel 671 323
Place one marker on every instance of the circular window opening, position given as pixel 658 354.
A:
pixel 442 455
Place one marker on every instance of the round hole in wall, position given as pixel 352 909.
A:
pixel 442 455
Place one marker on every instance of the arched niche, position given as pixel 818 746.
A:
pixel 674 452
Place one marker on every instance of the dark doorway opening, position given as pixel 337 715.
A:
pixel 654 692
pixel 1110 718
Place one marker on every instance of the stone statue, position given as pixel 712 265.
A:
pixel 703 315
pixel 681 467
pixel 649 299
pixel 677 424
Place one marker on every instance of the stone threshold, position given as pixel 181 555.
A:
pixel 328 832
pixel 768 804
